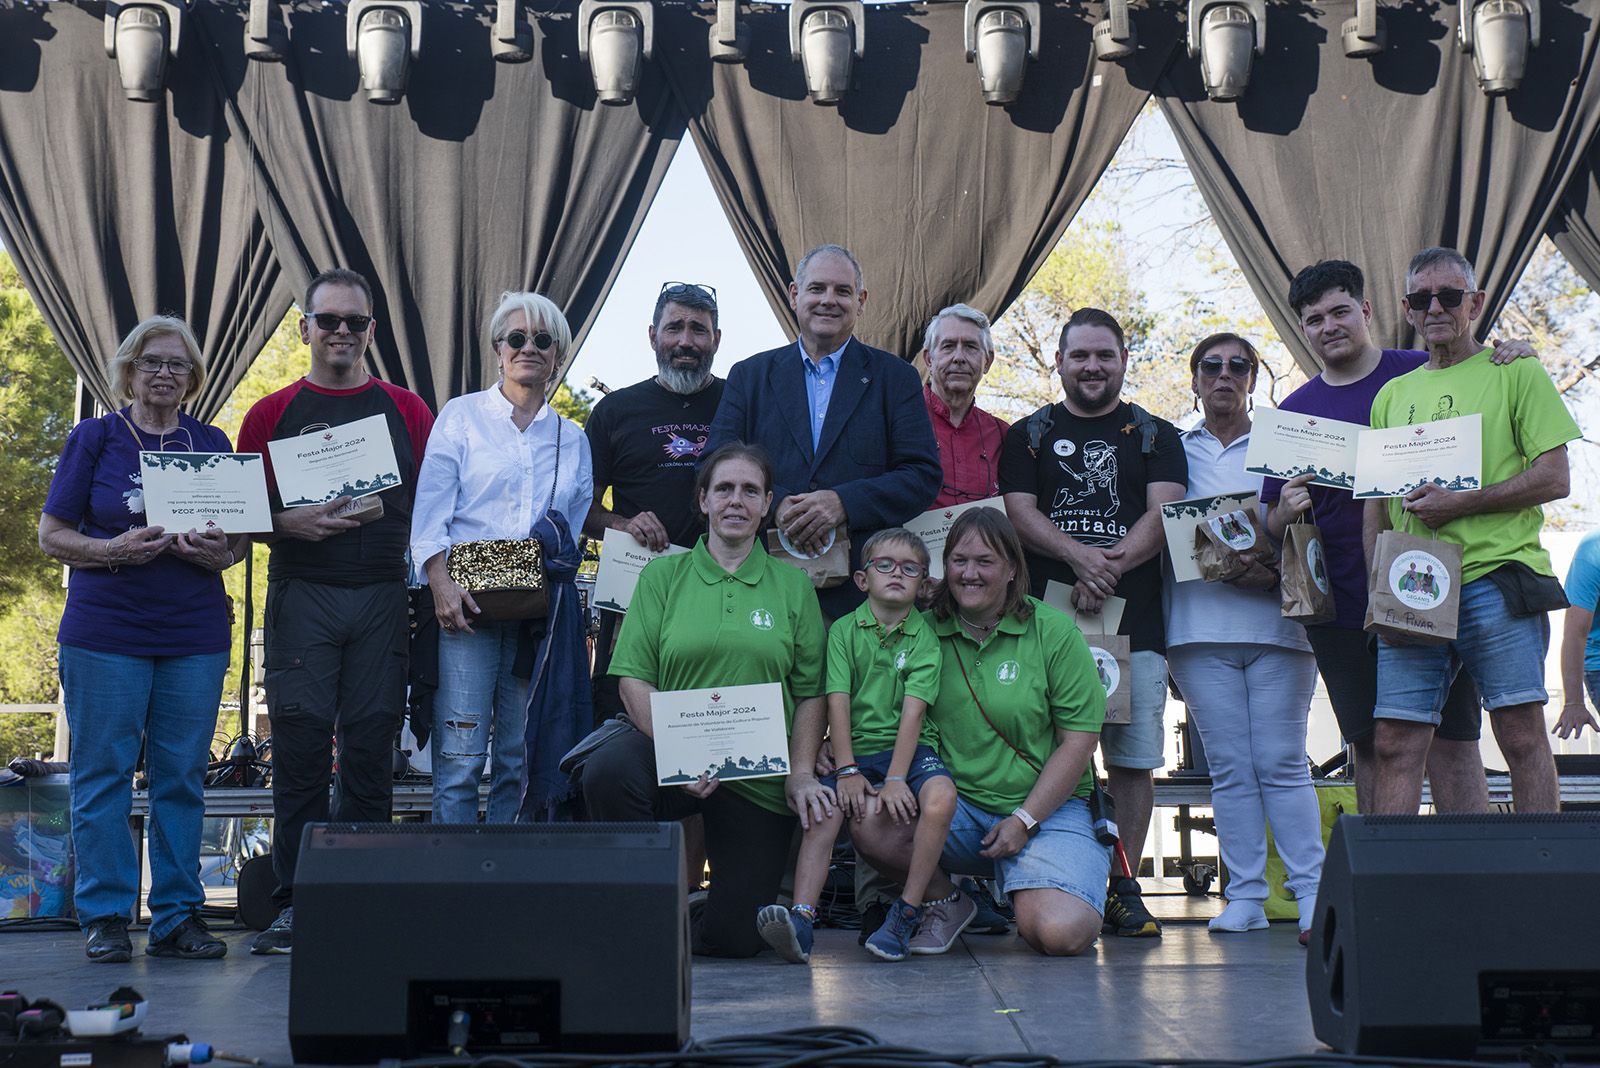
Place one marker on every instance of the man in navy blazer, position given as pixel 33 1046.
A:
pixel 844 423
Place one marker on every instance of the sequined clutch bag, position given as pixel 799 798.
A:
pixel 505 577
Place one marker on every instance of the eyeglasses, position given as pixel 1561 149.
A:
pixel 1238 366
pixel 883 566
pixel 517 339
pixel 672 289
pixel 330 322
pixel 152 366
pixel 1448 298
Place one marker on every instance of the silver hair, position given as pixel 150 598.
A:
pixel 828 250
pixel 539 312
pixel 120 366
pixel 965 312
pixel 1430 257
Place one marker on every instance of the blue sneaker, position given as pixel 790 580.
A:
pixel 786 931
pixel 892 941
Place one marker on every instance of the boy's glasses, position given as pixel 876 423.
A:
pixel 883 566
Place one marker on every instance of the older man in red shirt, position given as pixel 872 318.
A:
pixel 959 351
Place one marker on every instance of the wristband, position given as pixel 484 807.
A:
pixel 894 778
pixel 1029 824
pixel 847 770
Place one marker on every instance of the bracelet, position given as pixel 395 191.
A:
pixel 894 778
pixel 109 565
pixel 230 563
pixel 848 769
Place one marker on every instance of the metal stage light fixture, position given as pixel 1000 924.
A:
pixel 266 38
pixel 1497 35
pixel 730 38
pixel 1002 35
pixel 1114 36
pixel 615 36
pixel 1365 35
pixel 512 37
pixel 1227 35
pixel 383 37
pixel 826 37
pixel 141 37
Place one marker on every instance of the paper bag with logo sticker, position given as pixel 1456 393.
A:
pixel 1307 594
pixel 1112 656
pixel 1414 592
pixel 1219 540
pixel 827 569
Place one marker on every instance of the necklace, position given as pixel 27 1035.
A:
pixel 986 628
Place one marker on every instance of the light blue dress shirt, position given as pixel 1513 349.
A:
pixel 820 377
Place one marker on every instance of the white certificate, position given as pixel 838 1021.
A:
pixel 933 527
pixel 1106 621
pixel 621 560
pixel 205 490
pixel 1446 452
pixel 1285 444
pixel 1179 519
pixel 352 460
pixel 732 732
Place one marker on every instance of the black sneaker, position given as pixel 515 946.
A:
pixel 990 920
pixel 1126 914
pixel 872 918
pixel 279 938
pixel 190 940
pixel 106 941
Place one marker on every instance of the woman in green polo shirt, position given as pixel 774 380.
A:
pixel 723 614
pixel 1019 713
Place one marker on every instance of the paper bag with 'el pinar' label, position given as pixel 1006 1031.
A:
pixel 1415 589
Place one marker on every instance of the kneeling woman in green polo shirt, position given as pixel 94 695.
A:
pixel 1019 712
pixel 724 614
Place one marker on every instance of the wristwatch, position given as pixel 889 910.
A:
pixel 1029 824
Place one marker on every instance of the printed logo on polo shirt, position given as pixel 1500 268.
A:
pixel 1006 672
pixel 900 660
pixel 761 619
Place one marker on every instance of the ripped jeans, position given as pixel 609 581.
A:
pixel 478 700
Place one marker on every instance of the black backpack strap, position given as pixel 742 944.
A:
pixel 1146 425
pixel 1038 425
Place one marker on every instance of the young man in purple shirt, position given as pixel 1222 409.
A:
pixel 1336 319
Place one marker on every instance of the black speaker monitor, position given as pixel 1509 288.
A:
pixel 1458 936
pixel 410 940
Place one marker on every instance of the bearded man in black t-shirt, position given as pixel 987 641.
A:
pixel 1084 481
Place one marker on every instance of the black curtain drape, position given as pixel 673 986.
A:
pixel 486 177
pixel 115 210
pixel 941 196
pixel 1372 160
pixel 1576 226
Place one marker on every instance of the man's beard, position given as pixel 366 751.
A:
pixel 683 380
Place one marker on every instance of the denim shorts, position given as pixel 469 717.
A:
pixel 925 765
pixel 1065 855
pixel 1141 742
pixel 1503 653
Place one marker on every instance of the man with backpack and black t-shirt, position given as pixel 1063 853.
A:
pixel 336 626
pixel 1084 481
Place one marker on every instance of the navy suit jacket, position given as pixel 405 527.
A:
pixel 876 451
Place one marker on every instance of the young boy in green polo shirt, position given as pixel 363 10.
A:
pixel 883 672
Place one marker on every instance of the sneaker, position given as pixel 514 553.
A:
pixel 1307 904
pixel 943 923
pixel 1240 916
pixel 787 931
pixel 1126 914
pixel 106 941
pixel 190 940
pixel 892 941
pixel 279 938
pixel 872 918
pixel 989 920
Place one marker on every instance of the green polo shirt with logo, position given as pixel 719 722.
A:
pixel 693 625
pixel 879 667
pixel 1030 676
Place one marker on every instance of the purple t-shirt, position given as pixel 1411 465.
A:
pixel 1336 512
pixel 168 607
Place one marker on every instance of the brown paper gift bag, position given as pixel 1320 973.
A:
pixel 1219 540
pixel 1112 659
pixel 828 569
pixel 1414 589
pixel 1307 593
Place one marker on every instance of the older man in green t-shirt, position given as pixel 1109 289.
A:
pixel 1507 583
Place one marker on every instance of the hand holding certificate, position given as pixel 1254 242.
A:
pixel 728 732
pixel 352 460
pixel 622 558
pixel 205 491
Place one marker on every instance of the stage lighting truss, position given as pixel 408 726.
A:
pixel 1365 35
pixel 1497 34
pixel 1114 36
pixel 266 38
pixel 1227 35
pixel 826 37
pixel 512 38
pixel 615 37
pixel 1001 36
pixel 383 37
pixel 141 37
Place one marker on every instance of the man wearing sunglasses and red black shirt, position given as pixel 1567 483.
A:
pixel 336 625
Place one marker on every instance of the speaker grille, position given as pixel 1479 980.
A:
pixel 1500 819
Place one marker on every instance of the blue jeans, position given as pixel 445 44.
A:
pixel 478 698
pixel 113 703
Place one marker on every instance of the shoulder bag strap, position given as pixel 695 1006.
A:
pixel 1026 759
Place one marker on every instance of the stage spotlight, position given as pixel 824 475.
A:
pixel 1365 35
pixel 730 38
pixel 141 38
pixel 1227 35
pixel 266 38
pixel 513 37
pixel 1497 35
pixel 615 36
pixel 383 36
pixel 1114 36
pixel 826 36
pixel 1001 36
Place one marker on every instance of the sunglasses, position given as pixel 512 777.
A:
pixel 330 322
pixel 518 339
pixel 152 366
pixel 1448 298
pixel 883 566
pixel 672 289
pixel 1238 366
